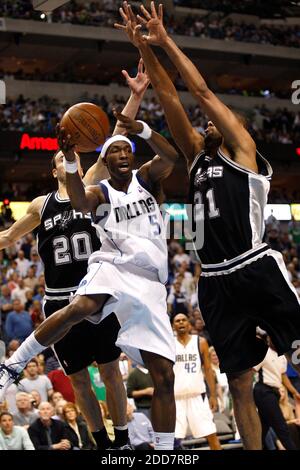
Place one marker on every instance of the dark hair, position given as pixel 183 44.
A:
pixel 4 413
pixel 33 360
pixel 53 160
pixel 179 313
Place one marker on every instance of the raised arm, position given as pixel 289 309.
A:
pixel 235 135
pixel 186 137
pixel 138 86
pixel 161 166
pixel 82 199
pixel 24 225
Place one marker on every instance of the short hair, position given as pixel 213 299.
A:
pixel 4 413
pixel 179 313
pixel 53 160
pixel 33 360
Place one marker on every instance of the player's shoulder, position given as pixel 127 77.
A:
pixel 37 204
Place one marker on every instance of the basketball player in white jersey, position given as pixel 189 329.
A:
pixel 193 409
pixel 127 275
pixel 229 182
pixel 79 348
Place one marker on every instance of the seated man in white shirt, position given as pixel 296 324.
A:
pixel 13 437
pixel 271 377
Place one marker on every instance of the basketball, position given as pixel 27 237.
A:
pixel 87 124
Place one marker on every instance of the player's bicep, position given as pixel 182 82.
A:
pixel 186 137
pixel 157 169
pixel 94 197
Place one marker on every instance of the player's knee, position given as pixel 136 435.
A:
pixel 164 380
pixel 240 385
pixel 110 373
pixel 80 381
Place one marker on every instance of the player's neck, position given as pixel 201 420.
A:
pixel 184 339
pixel 120 184
pixel 62 191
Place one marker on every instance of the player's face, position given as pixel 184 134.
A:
pixel 181 324
pixel 212 135
pixel 119 160
pixel 59 172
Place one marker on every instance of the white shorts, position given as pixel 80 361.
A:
pixel 139 302
pixel 194 414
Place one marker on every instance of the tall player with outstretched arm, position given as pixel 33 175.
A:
pixel 127 274
pixel 243 282
pixel 66 239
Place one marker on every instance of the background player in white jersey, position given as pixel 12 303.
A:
pixel 127 275
pixel 231 181
pixel 193 409
pixel 85 343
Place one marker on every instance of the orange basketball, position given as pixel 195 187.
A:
pixel 87 124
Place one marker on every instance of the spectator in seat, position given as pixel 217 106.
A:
pixel 77 429
pixel 13 437
pixel 47 433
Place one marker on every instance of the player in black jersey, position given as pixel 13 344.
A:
pixel 243 283
pixel 65 240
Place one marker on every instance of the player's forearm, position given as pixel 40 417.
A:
pixel 159 78
pixel 76 192
pixel 210 379
pixel 6 239
pixel 188 71
pixel 163 148
pixel 130 110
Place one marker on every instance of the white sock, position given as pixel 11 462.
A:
pixel 28 349
pixel 164 440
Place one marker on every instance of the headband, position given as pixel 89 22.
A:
pixel 112 140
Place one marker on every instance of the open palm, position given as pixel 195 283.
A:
pixel 157 34
pixel 140 83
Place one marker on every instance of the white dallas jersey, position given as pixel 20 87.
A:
pixel 131 228
pixel 189 380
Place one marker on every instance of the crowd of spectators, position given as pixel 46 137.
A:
pixel 41 115
pixel 105 13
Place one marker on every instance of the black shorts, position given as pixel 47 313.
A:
pixel 85 342
pixel 234 304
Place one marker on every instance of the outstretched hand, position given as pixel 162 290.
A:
pixel 65 144
pixel 130 26
pixel 157 34
pixel 129 125
pixel 138 84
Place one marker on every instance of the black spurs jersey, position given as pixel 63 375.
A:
pixel 228 204
pixel 66 239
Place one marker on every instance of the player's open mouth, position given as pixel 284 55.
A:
pixel 124 166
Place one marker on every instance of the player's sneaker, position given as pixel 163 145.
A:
pixel 127 446
pixel 7 377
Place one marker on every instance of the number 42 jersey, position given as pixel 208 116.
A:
pixel 66 239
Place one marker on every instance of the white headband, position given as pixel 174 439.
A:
pixel 111 140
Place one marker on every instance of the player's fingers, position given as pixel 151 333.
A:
pixel 141 66
pixel 123 14
pixel 131 14
pixel 119 26
pixel 145 12
pixel 153 10
pixel 141 20
pixel 126 75
pixel 161 12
